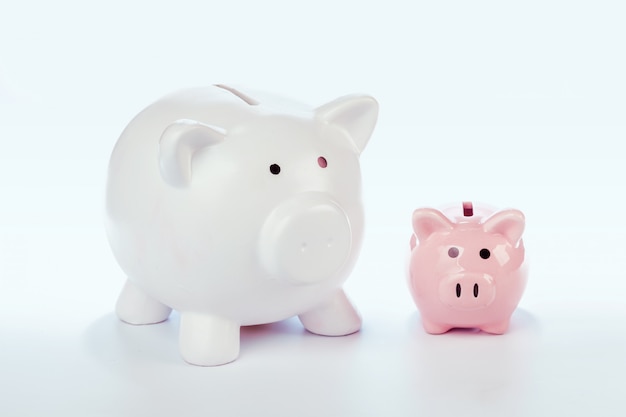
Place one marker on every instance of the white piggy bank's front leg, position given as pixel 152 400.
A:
pixel 136 307
pixel 208 340
pixel 335 317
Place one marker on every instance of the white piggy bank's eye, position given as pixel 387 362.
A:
pixel 322 162
pixel 275 169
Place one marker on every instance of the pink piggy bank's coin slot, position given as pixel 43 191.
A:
pixel 468 209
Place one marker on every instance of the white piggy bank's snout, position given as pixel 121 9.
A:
pixel 306 239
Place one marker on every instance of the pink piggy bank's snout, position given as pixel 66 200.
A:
pixel 467 291
pixel 306 239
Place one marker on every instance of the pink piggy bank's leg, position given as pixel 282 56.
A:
pixel 135 307
pixel 434 328
pixel 335 317
pixel 496 328
pixel 208 340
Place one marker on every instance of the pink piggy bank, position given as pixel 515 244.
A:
pixel 467 267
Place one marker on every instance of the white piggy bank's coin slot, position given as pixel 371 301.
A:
pixel 239 94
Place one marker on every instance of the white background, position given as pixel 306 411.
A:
pixel 519 104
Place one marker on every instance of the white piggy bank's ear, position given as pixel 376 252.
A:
pixel 427 221
pixel 508 223
pixel 179 141
pixel 356 114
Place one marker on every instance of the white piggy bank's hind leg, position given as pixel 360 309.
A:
pixel 335 317
pixel 208 340
pixel 135 307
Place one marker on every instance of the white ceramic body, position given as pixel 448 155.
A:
pixel 199 222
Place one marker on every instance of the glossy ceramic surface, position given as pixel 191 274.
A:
pixel 467 267
pixel 238 208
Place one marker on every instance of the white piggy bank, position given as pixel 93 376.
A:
pixel 235 211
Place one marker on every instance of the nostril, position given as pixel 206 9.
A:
pixel 458 290
pixel 330 242
pixel 303 247
pixel 476 290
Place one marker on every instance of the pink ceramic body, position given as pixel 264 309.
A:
pixel 467 271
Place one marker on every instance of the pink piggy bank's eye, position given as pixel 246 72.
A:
pixel 485 254
pixel 453 252
pixel 321 161
pixel 275 169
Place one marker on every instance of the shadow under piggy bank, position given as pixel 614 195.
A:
pixel 469 372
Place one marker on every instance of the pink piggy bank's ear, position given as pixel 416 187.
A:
pixel 427 221
pixel 355 114
pixel 508 223
pixel 178 143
